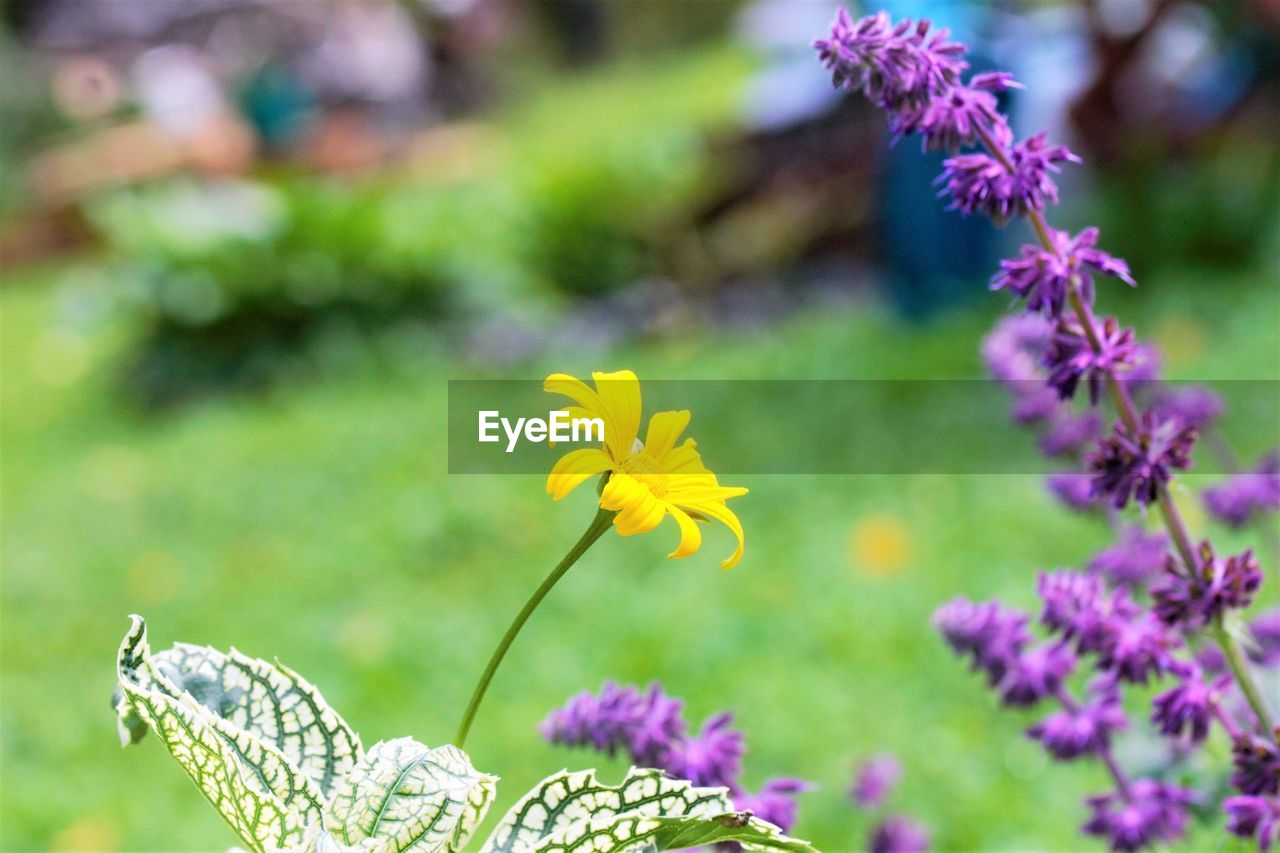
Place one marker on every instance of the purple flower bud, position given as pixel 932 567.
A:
pixel 1036 403
pixel 1071 357
pixel 979 183
pixel 1193 404
pixel 875 779
pixel 1069 432
pixel 1265 630
pixel 1078 606
pixel 1134 559
pixel 1043 277
pixel 897 67
pixel 1012 349
pixel 1152 811
pixel 959 116
pixel 1136 649
pixel 1192 601
pixel 775 802
pixel 1254 817
pixel 1237 499
pixel 898 834
pixel 1037 673
pixel 1082 730
pixel 1211 659
pixel 992 635
pixel 1073 490
pixel 1257 763
pixel 1188 708
pixel 1136 466
pixel 713 757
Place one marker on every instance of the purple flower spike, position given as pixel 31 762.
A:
pixel 1193 404
pixel 1265 630
pixel 898 834
pixel 1254 817
pixel 980 183
pixel 1257 762
pixel 959 116
pixel 1153 811
pixel 897 67
pixel 1071 356
pixel 1136 466
pixel 1043 277
pixel 619 718
pixel 1134 560
pixel 1214 587
pixel 874 781
pixel 775 802
pixel 1082 730
pixel 1037 673
pixel 1241 496
pixel 713 757
pixel 992 635
pixel 1188 708
pixel 1073 490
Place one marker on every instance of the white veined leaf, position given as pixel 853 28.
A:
pixel 637 832
pixel 567 800
pixel 265 799
pixel 410 797
pixel 268 701
pixel 317 839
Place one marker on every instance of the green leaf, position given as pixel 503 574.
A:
pixel 574 811
pixel 267 801
pixel 409 797
pixel 268 701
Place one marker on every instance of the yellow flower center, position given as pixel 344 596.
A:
pixel 641 465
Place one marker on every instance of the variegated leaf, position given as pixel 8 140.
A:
pixel 566 800
pixel 637 832
pixel 410 797
pixel 267 800
pixel 268 701
pixel 317 839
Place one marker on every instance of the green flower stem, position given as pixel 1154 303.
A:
pixel 1244 676
pixel 600 524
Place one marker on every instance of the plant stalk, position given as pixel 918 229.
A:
pixel 1244 677
pixel 597 528
pixel 1168 509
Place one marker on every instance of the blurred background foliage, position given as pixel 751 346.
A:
pixel 245 244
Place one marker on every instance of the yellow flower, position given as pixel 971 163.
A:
pixel 647 481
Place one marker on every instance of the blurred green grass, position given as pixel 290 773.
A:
pixel 318 524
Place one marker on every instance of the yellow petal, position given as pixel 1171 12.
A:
pixel 684 459
pixel 725 516
pixel 638 510
pixel 692 489
pixel 619 395
pixel 572 469
pixel 641 517
pixel 664 431
pixel 690 535
pixel 575 389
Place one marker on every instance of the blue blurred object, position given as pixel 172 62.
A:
pixel 935 258
pixel 278 103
